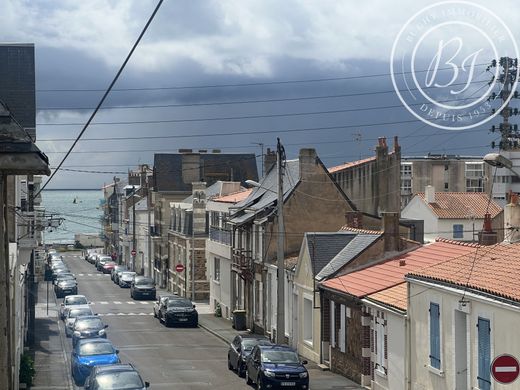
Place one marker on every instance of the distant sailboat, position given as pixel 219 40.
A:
pixel 75 200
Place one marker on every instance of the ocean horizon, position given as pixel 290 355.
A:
pixel 79 209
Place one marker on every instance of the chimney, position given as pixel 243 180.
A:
pixel 397 147
pixel 429 194
pixel 487 236
pixel 391 232
pixel 269 160
pixel 354 219
pixel 307 159
pixel 199 207
pixel 512 220
pixel 382 147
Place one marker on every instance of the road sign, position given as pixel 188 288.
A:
pixel 179 268
pixel 133 252
pixel 505 369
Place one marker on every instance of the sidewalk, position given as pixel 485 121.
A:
pixel 320 379
pixel 48 349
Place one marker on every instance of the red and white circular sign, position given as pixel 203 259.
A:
pixel 179 268
pixel 505 369
pixel 133 252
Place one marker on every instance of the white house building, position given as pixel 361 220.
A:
pixel 454 215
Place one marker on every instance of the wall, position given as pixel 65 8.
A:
pixel 417 209
pixel 504 337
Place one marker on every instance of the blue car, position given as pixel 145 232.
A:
pixel 276 367
pixel 89 353
pixel 115 376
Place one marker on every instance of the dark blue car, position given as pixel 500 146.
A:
pixel 88 327
pixel 89 353
pixel 276 367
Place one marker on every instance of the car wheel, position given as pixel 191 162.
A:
pixel 229 365
pixel 240 370
pixel 248 379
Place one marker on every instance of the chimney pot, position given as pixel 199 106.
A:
pixel 402 263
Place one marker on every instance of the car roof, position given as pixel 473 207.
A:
pixel 163 295
pixel 140 277
pixel 253 336
pixel 75 296
pixel 87 317
pixel 276 347
pixel 114 368
pixel 97 340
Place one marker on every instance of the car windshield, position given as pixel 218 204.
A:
pixel 66 277
pixel 96 349
pixel 277 356
pixel 89 323
pixel 248 344
pixel 110 263
pixel 127 275
pixel 141 282
pixel 66 282
pixel 119 380
pixel 76 301
pixel 179 303
pixel 79 312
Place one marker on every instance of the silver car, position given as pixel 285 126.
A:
pixel 72 301
pixel 72 313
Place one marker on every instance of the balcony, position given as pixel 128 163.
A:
pixel 220 235
pixel 242 264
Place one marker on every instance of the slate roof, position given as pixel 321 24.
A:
pixel 462 205
pixel 389 273
pixel 213 167
pixel 266 195
pixel 492 270
pixel 354 247
pixel 323 247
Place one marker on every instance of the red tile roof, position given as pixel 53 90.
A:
pixel 350 164
pixel 233 198
pixel 391 272
pixel 462 205
pixel 346 228
pixel 494 270
pixel 396 296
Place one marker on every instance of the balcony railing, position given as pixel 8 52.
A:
pixel 220 235
pixel 242 263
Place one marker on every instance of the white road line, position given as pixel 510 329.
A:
pixel 144 303
pixel 81 274
pixel 89 274
pixel 103 303
pixel 117 302
pixel 130 302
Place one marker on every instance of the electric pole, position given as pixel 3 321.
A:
pixel 509 135
pixel 280 307
pixel 133 229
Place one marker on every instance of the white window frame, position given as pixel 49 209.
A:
pixel 307 334
pixel 216 270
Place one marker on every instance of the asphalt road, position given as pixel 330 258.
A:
pixel 169 358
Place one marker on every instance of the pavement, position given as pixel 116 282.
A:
pixel 164 356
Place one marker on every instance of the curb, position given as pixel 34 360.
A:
pixel 214 333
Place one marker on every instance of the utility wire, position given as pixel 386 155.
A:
pixel 104 96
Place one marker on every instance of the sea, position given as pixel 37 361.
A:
pixel 80 211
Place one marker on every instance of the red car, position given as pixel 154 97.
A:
pixel 108 266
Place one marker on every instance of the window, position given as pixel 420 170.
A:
pixel 380 345
pixel 307 320
pixel 406 170
pixel 484 354
pixel 474 173
pixel 458 231
pixel 216 269
pixel 406 186
pixel 435 336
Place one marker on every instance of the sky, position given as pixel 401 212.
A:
pixel 314 73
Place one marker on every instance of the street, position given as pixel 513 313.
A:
pixel 180 358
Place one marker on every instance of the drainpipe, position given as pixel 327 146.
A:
pixel 408 344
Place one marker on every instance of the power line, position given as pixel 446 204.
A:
pixel 104 96
pixel 278 82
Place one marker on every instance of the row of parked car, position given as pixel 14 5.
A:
pixel 95 362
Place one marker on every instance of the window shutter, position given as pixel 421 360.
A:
pixel 435 339
pixel 484 354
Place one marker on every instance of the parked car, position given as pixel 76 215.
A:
pixel 101 260
pixel 72 301
pixel 276 366
pixel 179 311
pixel 88 327
pixel 71 314
pixel 66 287
pixel 115 376
pixel 125 278
pixel 114 271
pixel 63 276
pixel 89 353
pixel 160 302
pixel 92 257
pixel 240 348
pixel 108 266
pixel 57 271
pixel 142 287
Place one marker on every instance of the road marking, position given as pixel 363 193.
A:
pixel 130 302
pixel 144 303
pixel 103 303
pixel 117 302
